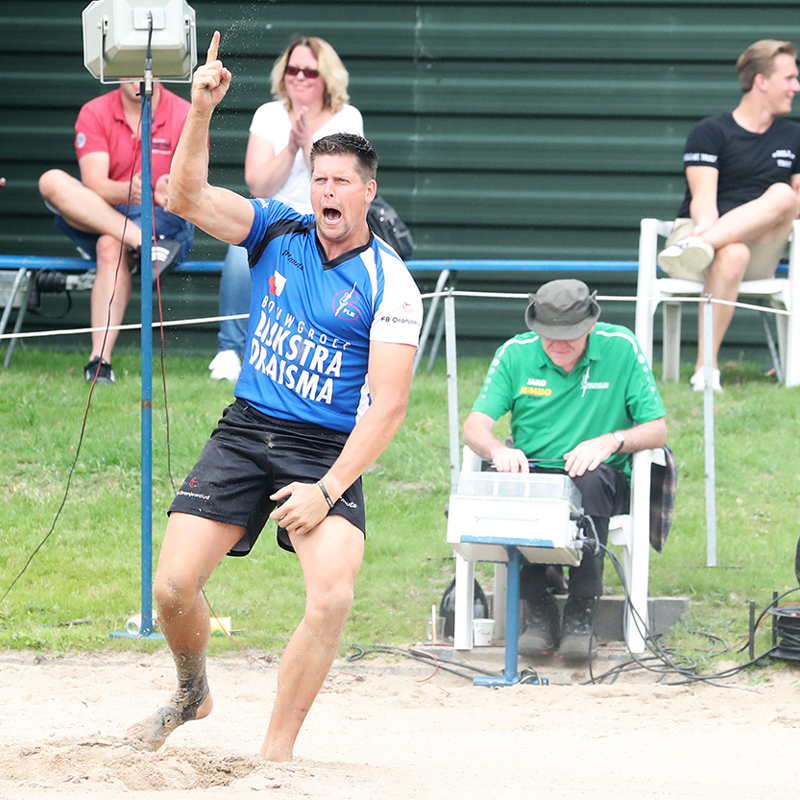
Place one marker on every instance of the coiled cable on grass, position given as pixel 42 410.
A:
pixel 787 629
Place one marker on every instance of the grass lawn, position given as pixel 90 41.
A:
pixel 88 571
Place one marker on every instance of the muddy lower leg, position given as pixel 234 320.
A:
pixel 192 548
pixel 191 701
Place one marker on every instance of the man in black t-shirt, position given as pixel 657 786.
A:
pixel 742 189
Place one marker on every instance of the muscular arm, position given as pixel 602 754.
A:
pixel 703 183
pixel 479 437
pixel 390 369
pixel 220 212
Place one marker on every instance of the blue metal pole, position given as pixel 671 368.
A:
pixel 510 674
pixel 147 366
pixel 512 615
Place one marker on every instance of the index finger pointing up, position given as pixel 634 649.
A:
pixel 213 48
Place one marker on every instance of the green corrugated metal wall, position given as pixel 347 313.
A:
pixel 505 129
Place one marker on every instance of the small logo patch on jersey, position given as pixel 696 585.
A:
pixel 345 304
pixel 276 283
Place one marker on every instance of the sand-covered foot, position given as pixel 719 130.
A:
pixel 151 732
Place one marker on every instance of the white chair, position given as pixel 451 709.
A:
pixel 631 532
pixel 781 292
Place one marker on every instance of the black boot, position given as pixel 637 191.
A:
pixel 578 642
pixel 542 632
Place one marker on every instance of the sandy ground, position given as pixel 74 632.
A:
pixel 396 729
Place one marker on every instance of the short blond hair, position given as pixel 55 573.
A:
pixel 331 70
pixel 759 59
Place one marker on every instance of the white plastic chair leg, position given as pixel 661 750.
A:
pixel 465 600
pixel 672 341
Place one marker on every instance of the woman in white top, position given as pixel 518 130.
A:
pixel 309 83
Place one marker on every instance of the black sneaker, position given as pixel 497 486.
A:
pixel 136 259
pixel 578 642
pixel 540 637
pixel 102 369
pixel 164 257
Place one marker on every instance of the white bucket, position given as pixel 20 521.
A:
pixel 482 632
pixel 133 627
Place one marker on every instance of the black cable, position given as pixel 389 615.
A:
pixel 665 662
pixel 34 300
pixel 361 651
pixel 788 631
pixel 63 500
pixel 773 604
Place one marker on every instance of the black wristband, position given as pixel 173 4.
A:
pixel 325 494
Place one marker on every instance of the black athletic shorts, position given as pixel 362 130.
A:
pixel 249 457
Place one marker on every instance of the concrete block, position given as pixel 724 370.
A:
pixel 663 613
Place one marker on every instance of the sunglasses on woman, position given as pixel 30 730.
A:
pixel 309 73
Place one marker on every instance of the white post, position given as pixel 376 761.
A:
pixel 465 570
pixel 452 387
pixel 639 558
pixel 708 437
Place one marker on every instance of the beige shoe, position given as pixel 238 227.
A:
pixel 686 258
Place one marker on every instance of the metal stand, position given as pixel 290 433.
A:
pixel 17 294
pixel 510 674
pixel 429 318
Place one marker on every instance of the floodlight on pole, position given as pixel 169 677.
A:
pixel 123 39
pixel 116 35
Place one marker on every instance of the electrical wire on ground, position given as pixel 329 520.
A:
pixel 445 665
pixel 665 662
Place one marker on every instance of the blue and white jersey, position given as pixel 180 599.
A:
pixel 312 320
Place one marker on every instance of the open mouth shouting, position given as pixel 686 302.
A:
pixel 331 214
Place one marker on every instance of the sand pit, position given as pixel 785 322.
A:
pixel 391 729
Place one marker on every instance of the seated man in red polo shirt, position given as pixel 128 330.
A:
pixel 102 211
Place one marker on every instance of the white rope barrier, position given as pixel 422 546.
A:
pixel 626 298
pixel 134 326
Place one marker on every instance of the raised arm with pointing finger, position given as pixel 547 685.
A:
pixel 222 213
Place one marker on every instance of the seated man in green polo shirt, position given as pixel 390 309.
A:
pixel 582 397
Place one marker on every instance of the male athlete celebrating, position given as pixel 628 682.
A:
pixel 334 324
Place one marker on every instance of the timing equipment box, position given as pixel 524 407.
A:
pixel 491 511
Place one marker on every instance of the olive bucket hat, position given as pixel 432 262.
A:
pixel 562 309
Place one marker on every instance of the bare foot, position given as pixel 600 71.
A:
pixel 151 732
pixel 275 754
